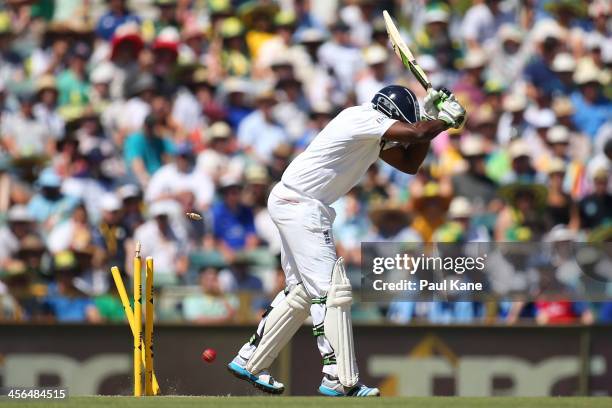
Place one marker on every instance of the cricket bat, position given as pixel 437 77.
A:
pixel 404 53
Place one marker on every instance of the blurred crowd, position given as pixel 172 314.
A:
pixel 117 117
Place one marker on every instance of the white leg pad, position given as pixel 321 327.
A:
pixel 338 327
pixel 281 324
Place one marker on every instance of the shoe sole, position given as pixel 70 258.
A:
pixel 328 392
pixel 253 381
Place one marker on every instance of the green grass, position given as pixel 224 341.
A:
pixel 316 402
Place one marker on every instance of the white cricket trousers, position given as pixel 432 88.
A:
pixel 308 255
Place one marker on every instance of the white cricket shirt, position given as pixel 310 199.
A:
pixel 339 155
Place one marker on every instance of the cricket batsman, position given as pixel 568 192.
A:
pixel 391 128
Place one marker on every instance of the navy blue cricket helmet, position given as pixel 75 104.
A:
pixel 397 102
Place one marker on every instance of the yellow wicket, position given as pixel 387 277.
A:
pixel 129 314
pixel 149 327
pixel 137 321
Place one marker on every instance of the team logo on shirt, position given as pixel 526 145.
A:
pixel 327 236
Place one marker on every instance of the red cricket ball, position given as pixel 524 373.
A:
pixel 209 355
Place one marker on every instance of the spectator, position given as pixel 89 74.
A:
pixel 596 208
pixel 50 206
pixel 117 15
pixel 72 83
pixel 430 211
pixel 113 234
pixel 160 238
pixel 234 227
pixel 147 151
pixel 178 176
pixel 482 21
pixel 239 278
pixel 216 159
pixel 474 182
pixel 592 108
pixel 64 302
pixel 23 135
pixel 211 306
pixel 261 122
pixel 20 223
pixel 46 110
pixel 341 56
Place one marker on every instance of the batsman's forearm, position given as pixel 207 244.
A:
pixel 419 132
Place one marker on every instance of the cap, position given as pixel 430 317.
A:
pixel 558 134
pixel 102 73
pixel 519 148
pixel 510 32
pixel 127 191
pixel 562 107
pixel 564 62
pixel 46 82
pixel 587 72
pixel 427 62
pixel 235 85
pixel 560 233
pixel 541 119
pixel 311 35
pixel 436 15
pixel 168 38
pixel 49 178
pixel 475 59
pixel 460 207
pixel 19 213
pixel 256 175
pixel 375 54
pixel 340 26
pixel 228 181
pixel 184 149
pixel 556 165
pixel 514 102
pixel 231 27
pixel 162 207
pixel 219 130
pixel 110 202
pixel 284 18
pixel 472 146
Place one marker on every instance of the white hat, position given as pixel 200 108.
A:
pixel 558 134
pixel 128 191
pixel 475 59
pixel 548 28
pixel 236 85
pixel 564 62
pixel 162 207
pixel 427 62
pixel 560 233
pixel 436 15
pixel 460 207
pixel 19 213
pixel 110 202
pixel 543 118
pixel 587 71
pixel 102 74
pixel 219 130
pixel 472 145
pixel 514 102
pixel 375 54
pixel 510 32
pixel 556 165
pixel 519 148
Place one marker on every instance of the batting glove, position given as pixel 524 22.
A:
pixel 429 103
pixel 451 112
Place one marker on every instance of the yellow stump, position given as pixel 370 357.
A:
pixel 129 314
pixel 148 343
pixel 137 322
